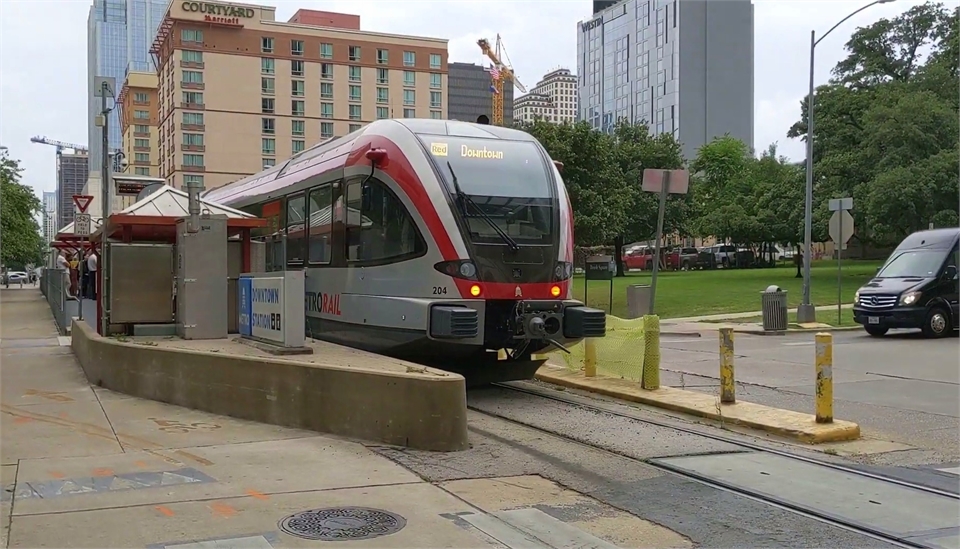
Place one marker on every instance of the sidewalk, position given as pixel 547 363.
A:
pixel 732 316
pixel 86 467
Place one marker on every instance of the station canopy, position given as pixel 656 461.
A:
pixel 154 217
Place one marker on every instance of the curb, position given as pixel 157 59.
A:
pixel 762 332
pixel 776 421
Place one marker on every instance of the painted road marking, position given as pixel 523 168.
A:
pixel 531 528
pixel 251 541
pixel 112 483
pixel 951 470
pixel 798 343
pixel 64 341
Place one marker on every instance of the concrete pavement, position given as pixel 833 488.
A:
pixel 116 471
pixel 900 388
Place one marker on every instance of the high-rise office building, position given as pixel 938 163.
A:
pixel 119 35
pixel 71 178
pixel 681 67
pixel 553 99
pixel 471 95
pixel 49 215
pixel 239 91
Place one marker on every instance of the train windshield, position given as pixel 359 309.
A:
pixel 492 167
pixel 506 184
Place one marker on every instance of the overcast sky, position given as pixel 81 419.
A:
pixel 43 57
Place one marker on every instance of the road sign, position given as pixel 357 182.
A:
pixel 664 182
pixel 841 227
pixel 838 204
pixel 82 202
pixel 81 224
pixel 679 180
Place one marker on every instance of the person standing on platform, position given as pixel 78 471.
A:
pixel 92 276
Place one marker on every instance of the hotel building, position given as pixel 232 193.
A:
pixel 239 91
pixel 553 99
pixel 682 67
pixel 139 123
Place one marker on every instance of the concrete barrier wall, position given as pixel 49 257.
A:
pixel 416 411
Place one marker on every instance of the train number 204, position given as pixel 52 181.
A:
pixel 439 290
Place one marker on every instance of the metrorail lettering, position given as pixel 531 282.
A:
pixel 217 11
pixel 483 153
pixel 323 303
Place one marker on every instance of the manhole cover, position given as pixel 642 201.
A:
pixel 342 524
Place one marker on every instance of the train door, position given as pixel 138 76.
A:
pixel 296 231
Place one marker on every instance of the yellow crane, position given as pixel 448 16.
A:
pixel 498 74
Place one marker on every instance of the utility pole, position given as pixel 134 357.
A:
pixel 104 88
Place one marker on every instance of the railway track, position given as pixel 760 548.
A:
pixel 844 523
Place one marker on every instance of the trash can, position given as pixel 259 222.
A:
pixel 638 300
pixel 774 308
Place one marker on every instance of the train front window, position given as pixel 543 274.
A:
pixel 491 167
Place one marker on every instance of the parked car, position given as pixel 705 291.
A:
pixel 15 277
pixel 683 259
pixel 637 257
pixel 917 287
pixel 718 255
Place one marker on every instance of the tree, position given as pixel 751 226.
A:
pixel 887 123
pixel 637 150
pixel 21 241
pixel 592 177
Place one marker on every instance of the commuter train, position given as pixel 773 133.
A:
pixel 435 241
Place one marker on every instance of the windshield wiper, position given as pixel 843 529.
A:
pixel 465 200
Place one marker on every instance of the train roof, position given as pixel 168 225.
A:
pixel 335 150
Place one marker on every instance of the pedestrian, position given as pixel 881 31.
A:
pixel 92 276
pixel 72 264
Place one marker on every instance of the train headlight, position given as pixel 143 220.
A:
pixel 555 291
pixel 468 270
pixel 475 290
pixel 458 268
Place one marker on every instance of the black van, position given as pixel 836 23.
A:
pixel 917 287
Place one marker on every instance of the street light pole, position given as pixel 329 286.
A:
pixel 807 312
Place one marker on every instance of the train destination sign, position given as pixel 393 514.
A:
pixel 219 13
pixel 483 152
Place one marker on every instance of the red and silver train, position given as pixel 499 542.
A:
pixel 435 241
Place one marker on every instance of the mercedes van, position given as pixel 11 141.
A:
pixel 917 287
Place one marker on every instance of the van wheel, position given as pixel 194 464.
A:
pixel 876 331
pixel 937 323
pixel 686 265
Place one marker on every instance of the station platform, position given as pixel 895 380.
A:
pixel 111 470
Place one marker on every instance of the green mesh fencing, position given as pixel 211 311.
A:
pixel 619 352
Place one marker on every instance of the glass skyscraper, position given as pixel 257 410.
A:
pixel 119 36
pixel 683 67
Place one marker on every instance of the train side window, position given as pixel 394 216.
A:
pixel 296 228
pixel 379 227
pixel 321 224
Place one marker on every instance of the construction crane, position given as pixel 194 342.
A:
pixel 499 72
pixel 60 145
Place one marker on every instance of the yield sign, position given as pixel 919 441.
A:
pixel 82 202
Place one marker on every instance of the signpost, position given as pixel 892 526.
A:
pixel 81 227
pixel 599 267
pixel 664 182
pixel 841 229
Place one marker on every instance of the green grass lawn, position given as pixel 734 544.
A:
pixel 696 293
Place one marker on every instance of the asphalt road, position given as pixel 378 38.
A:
pixel 900 388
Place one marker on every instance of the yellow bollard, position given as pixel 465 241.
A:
pixel 824 364
pixel 590 357
pixel 651 352
pixel 728 389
